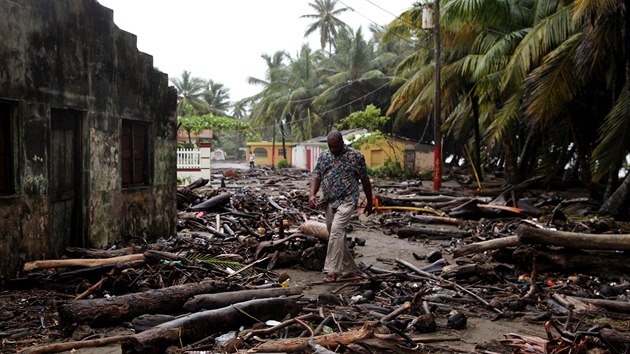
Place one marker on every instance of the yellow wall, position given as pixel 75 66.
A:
pixel 377 153
pixel 262 152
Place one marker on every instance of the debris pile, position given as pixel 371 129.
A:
pixel 221 284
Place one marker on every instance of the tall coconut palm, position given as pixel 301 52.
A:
pixel 269 103
pixel 217 98
pixel 326 22
pixel 353 79
pixel 304 85
pixel 189 93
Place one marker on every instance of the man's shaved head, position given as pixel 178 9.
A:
pixel 335 142
pixel 334 136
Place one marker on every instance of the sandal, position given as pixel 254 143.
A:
pixel 352 277
pixel 330 278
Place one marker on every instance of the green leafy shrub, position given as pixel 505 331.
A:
pixel 391 168
pixel 283 163
pixel 183 180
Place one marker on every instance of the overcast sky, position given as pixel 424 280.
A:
pixel 223 40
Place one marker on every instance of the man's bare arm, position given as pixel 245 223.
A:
pixel 312 200
pixel 367 189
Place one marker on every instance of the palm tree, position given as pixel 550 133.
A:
pixel 304 85
pixel 189 93
pixel 326 22
pixel 217 98
pixel 353 79
pixel 268 104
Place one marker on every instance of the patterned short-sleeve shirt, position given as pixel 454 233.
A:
pixel 340 175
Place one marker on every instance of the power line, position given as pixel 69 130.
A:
pixel 382 9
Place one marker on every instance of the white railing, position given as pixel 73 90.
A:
pixel 188 158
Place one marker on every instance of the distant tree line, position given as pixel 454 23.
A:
pixel 530 87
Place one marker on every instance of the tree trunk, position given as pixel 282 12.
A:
pixel 215 201
pixel 615 339
pixel 215 301
pixel 574 261
pixel 502 242
pixel 573 240
pixel 474 101
pixel 85 263
pixel 615 203
pixel 511 169
pixel 199 325
pixel 125 307
pixel 330 341
pixel 434 233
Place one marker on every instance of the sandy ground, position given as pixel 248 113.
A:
pixel 380 251
pixel 381 248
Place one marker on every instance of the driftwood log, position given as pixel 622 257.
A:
pixel 330 341
pixel 196 184
pixel 610 305
pixel 532 235
pixel 78 252
pixel 86 263
pixel 574 260
pixel 431 219
pixel 119 308
pixel 144 322
pixel 482 246
pixel 215 301
pixel 215 201
pixel 315 228
pixel 616 339
pixel 199 325
pixel 435 233
pixel 68 346
pixel 264 245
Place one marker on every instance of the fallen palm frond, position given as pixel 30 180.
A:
pixel 222 264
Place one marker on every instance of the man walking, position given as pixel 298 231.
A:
pixel 252 157
pixel 338 172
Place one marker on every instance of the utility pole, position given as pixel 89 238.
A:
pixel 284 147
pixel 437 135
pixel 273 147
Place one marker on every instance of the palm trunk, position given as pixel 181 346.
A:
pixel 511 168
pixel 616 202
pixel 621 197
pixel 582 160
pixel 474 101
pixel 524 159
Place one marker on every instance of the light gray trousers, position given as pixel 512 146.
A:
pixel 339 261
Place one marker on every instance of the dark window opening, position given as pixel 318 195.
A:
pixel 135 154
pixel 260 152
pixel 6 151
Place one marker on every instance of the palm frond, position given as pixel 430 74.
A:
pixel 547 34
pixel 614 136
pixel 221 264
pixel 505 121
pixel 553 84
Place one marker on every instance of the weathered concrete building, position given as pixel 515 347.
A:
pixel 87 133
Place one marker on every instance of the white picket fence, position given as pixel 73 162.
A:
pixel 188 158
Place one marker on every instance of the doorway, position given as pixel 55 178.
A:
pixel 65 182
